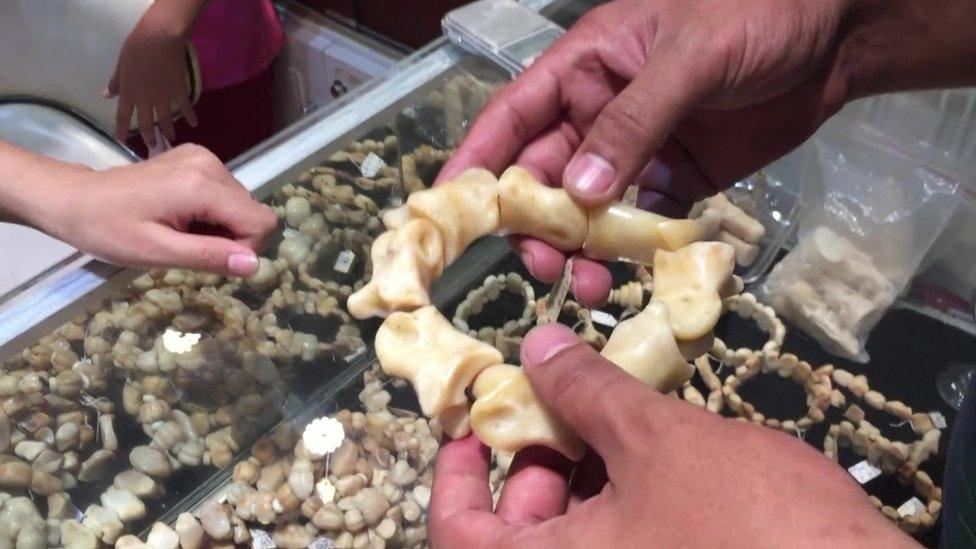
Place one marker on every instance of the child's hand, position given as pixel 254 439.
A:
pixel 151 72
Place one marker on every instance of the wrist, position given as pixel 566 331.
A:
pixel 895 45
pixel 174 18
pixel 56 197
pixel 33 188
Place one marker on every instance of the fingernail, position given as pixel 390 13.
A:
pixel 590 175
pixel 242 264
pixel 105 93
pixel 544 342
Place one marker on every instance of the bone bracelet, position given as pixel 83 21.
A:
pixel 691 279
pixel 436 225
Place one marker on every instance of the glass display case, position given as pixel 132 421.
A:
pixel 132 401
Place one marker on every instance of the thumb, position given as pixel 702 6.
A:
pixel 627 133
pixel 598 400
pixel 207 253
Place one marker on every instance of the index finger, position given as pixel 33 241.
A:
pixel 123 118
pixel 515 115
pixel 234 209
pixel 460 504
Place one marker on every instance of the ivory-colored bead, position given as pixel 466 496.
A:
pixel 923 484
pixel 411 511
pixel 854 413
pixel 162 537
pixel 875 400
pixel 386 529
pixel 353 519
pixel 246 472
pixel 350 485
pixel 898 409
pixel 372 505
pixel 859 386
pixel 328 517
pixel 15 474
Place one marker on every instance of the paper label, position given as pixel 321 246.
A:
pixel 261 539
pixel 344 261
pixel 325 490
pixel 321 543
pixel 557 296
pixel 938 419
pixel 604 318
pixel 863 471
pixel 371 165
pixel 911 508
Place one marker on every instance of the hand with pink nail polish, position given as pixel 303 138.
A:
pixel 660 473
pixel 683 97
pixel 179 209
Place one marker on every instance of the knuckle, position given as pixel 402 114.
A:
pixel 502 104
pixel 598 16
pixel 194 183
pixel 199 156
pixel 624 120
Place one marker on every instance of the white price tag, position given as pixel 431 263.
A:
pixel 938 419
pixel 344 261
pixel 371 165
pixel 911 508
pixel 261 539
pixel 604 318
pixel 863 471
pixel 321 543
pixel 325 490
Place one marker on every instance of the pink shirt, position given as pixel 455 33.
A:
pixel 235 40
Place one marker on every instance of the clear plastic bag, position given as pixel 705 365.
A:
pixel 870 210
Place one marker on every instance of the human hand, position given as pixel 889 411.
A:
pixel 150 75
pixel 675 475
pixel 682 98
pixel 144 215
